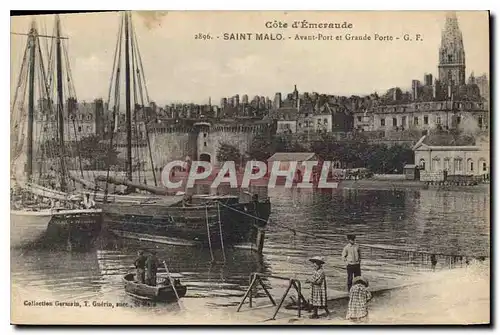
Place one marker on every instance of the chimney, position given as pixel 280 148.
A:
pixel 223 103
pixel 396 95
pixel 295 92
pixel 99 117
pixel 415 84
pixel 277 100
pixel 428 79
pixel 435 89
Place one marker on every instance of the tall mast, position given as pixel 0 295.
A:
pixel 31 100
pixel 127 99
pixel 60 102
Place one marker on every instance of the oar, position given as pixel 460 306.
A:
pixel 172 284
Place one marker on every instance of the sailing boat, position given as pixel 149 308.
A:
pixel 208 220
pixel 41 203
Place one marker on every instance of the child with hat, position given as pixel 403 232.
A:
pixel 358 299
pixel 318 287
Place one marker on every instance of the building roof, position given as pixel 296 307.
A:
pixel 286 114
pixel 292 156
pixel 446 141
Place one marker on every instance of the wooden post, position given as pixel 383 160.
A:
pixel 247 292
pixel 267 292
pixel 253 278
pixel 260 240
pixel 298 287
pixel 282 299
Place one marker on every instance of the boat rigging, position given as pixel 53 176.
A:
pixel 44 197
pixel 136 95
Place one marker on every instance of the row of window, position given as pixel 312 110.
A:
pixel 88 117
pixel 305 124
pixel 80 117
pixel 416 121
pixel 440 106
pixel 310 123
pixel 457 164
pixel 80 129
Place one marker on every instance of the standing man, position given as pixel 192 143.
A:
pixel 433 262
pixel 151 269
pixel 352 259
pixel 140 264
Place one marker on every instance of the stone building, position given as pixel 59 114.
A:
pixel 447 102
pixel 484 85
pixel 462 156
pixel 305 113
pixel 81 119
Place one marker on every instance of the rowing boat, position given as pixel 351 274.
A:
pixel 160 293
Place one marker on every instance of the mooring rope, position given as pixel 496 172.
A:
pixel 220 232
pixel 208 235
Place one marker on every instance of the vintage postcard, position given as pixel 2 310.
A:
pixel 260 167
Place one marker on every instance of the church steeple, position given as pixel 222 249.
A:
pixel 451 53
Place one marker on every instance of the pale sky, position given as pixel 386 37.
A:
pixel 180 68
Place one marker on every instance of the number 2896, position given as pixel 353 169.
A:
pixel 202 36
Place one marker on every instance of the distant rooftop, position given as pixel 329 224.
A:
pixel 292 156
pixel 448 139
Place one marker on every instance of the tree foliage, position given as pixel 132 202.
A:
pixel 355 152
pixel 379 158
pixel 264 146
pixel 227 152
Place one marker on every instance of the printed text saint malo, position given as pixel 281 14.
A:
pixel 252 37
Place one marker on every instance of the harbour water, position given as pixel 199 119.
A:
pixel 392 222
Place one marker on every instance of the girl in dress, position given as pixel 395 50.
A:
pixel 358 299
pixel 318 287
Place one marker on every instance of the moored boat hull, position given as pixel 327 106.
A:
pixel 27 227
pixel 75 227
pixel 189 224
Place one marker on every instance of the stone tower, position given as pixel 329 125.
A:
pixel 451 53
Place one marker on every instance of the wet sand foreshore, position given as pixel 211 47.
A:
pixel 459 296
